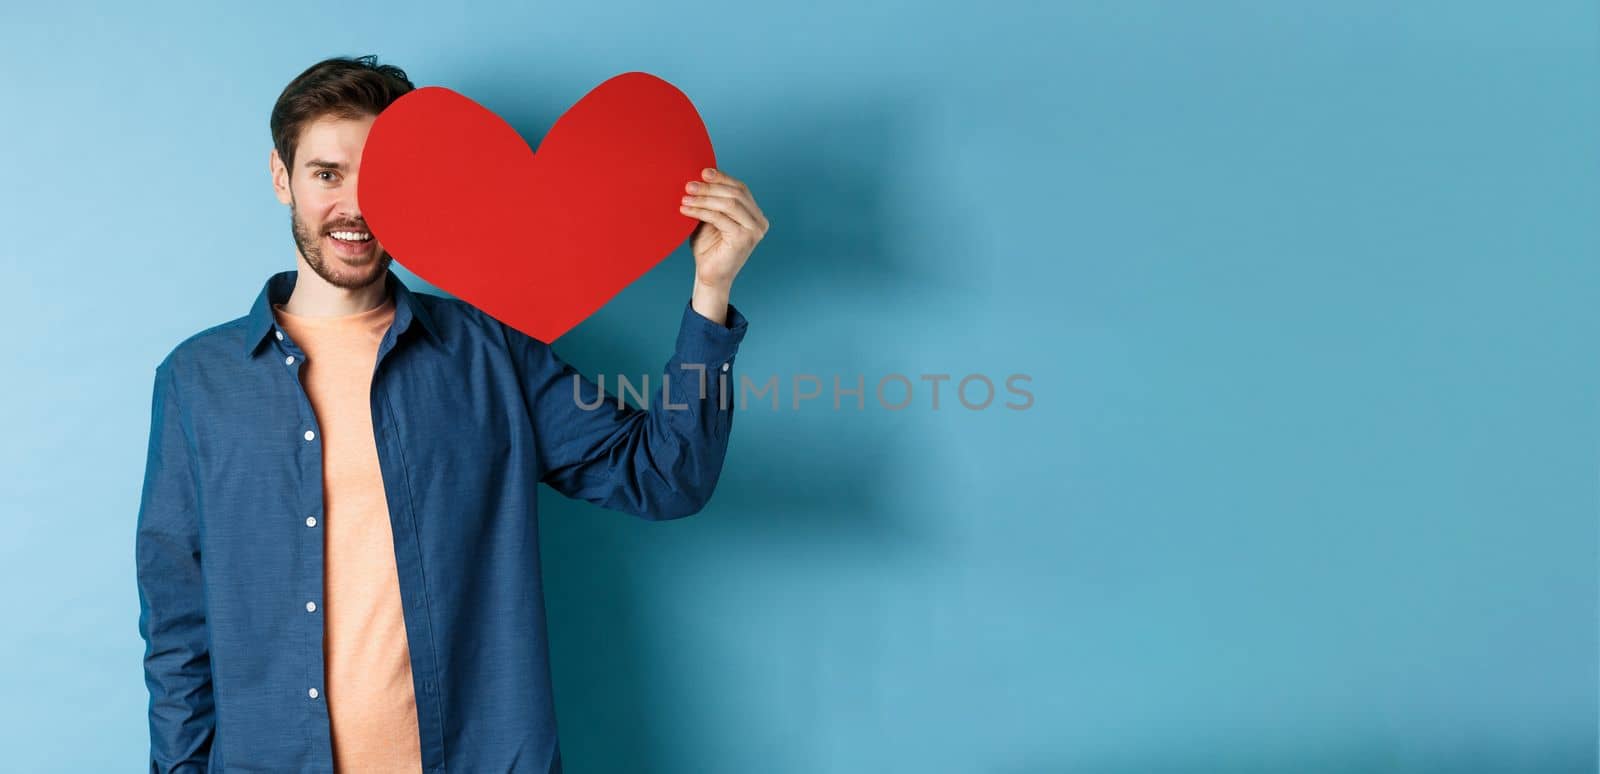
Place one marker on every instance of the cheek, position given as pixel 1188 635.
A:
pixel 315 205
pixel 318 216
pixel 309 223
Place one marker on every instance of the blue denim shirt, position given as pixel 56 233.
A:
pixel 468 415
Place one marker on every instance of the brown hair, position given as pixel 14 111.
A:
pixel 342 87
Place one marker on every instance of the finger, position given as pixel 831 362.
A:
pixel 760 217
pixel 733 207
pixel 725 224
pixel 713 175
pixel 717 177
pixel 731 192
pixel 715 189
pixel 735 212
pixel 749 207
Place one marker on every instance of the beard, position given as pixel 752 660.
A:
pixel 340 274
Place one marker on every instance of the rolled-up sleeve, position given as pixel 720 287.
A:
pixel 172 620
pixel 660 462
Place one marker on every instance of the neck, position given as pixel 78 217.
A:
pixel 314 296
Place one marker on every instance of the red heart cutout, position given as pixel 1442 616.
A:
pixel 539 241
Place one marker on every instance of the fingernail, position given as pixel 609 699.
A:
pixel 710 173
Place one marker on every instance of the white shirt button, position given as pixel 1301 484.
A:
pixel 313 693
pixel 311 521
pixel 289 360
pixel 311 607
pixel 310 435
pixel 724 366
pixel 280 335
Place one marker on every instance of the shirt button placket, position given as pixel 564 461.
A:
pixel 311 473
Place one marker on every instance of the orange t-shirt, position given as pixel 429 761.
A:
pixel 371 701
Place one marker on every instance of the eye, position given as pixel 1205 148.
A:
pixel 331 175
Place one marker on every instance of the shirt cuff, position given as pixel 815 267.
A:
pixel 701 340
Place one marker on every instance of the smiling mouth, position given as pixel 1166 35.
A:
pixel 353 245
pixel 351 237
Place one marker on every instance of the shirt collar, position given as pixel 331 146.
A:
pixel 260 322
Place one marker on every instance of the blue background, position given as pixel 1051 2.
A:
pixel 1306 291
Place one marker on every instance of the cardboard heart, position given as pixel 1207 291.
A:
pixel 539 241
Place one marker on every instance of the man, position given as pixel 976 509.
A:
pixel 337 543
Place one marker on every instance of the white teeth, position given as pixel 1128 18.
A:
pixel 351 236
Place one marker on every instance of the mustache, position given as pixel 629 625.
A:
pixel 346 226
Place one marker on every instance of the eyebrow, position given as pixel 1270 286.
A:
pixel 320 164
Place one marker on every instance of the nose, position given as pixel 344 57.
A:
pixel 349 213
pixel 348 208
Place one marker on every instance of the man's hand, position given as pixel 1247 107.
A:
pixel 731 225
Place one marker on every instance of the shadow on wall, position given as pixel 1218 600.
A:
pixel 796 483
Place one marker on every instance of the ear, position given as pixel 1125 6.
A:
pixel 280 178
